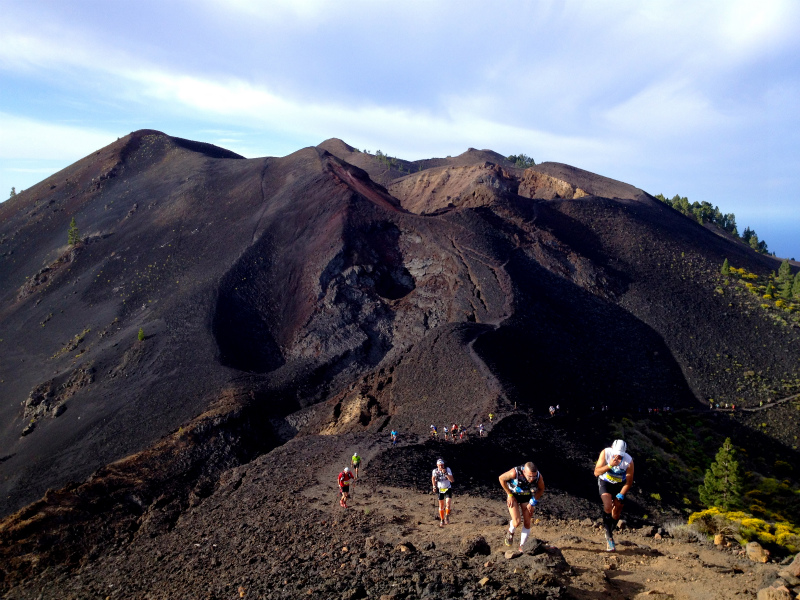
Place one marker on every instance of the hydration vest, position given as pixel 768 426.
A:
pixel 520 486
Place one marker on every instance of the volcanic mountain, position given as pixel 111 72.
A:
pixel 216 307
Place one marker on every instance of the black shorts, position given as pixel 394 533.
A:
pixel 448 493
pixel 606 487
pixel 522 498
pixel 345 489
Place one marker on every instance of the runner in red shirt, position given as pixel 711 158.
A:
pixel 345 479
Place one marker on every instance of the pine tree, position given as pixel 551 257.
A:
pixel 770 290
pixel 796 286
pixel 12 194
pixel 785 280
pixel 141 335
pixel 726 268
pixel 73 235
pixel 722 486
pixel 784 271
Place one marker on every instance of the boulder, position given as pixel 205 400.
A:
pixel 406 548
pixel 551 558
pixel 789 578
pixel 719 539
pixel 794 567
pixel 512 554
pixel 771 593
pixel 475 545
pixel 756 553
pixel 541 575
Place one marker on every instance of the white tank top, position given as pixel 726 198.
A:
pixel 442 482
pixel 616 474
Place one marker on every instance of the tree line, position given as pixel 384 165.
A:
pixel 705 212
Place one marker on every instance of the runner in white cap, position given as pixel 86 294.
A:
pixel 441 479
pixel 614 472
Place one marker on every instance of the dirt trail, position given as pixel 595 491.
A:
pixel 642 566
pixel 770 404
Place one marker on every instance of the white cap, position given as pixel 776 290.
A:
pixel 347 469
pixel 619 447
pixel 440 462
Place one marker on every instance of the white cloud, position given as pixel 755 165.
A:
pixel 665 109
pixel 23 138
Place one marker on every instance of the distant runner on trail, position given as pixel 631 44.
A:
pixel 446 432
pixel 355 462
pixel 434 432
pixel 491 417
pixel 480 430
pixel 394 437
pixel 345 479
pixel 614 472
pixel 524 487
pixel 454 431
pixel 441 478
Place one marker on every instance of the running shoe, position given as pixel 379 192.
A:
pixel 441 523
pixel 610 545
pixel 447 519
pixel 509 538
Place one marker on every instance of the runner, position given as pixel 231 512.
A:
pixel 614 472
pixel 491 418
pixel 462 431
pixel 394 437
pixel 345 479
pixel 524 487
pixel 480 430
pixel 441 479
pixel 454 431
pixel 446 432
pixel 355 462
pixel 434 432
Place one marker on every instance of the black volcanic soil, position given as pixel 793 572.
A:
pixel 291 305
pixel 273 529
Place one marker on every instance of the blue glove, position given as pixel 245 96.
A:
pixel 621 497
pixel 533 501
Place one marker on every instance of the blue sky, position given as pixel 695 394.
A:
pixel 700 98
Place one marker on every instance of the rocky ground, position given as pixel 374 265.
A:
pixel 274 529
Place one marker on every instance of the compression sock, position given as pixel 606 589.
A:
pixel 447 511
pixel 441 514
pixel 511 528
pixel 608 523
pixel 524 536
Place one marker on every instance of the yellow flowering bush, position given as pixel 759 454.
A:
pixel 745 528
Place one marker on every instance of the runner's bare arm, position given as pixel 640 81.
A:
pixel 505 478
pixel 601 466
pixel 540 491
pixel 628 480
